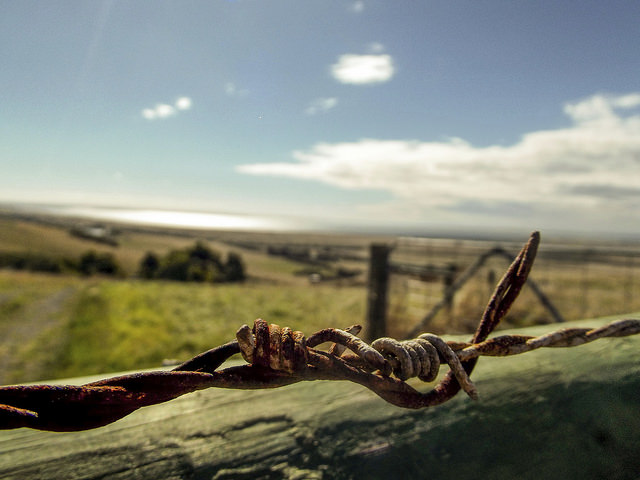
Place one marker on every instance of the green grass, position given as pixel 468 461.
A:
pixel 59 325
pixel 32 308
pixel 123 325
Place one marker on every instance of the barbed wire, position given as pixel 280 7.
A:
pixel 279 356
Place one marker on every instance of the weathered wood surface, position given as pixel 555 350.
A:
pixel 553 413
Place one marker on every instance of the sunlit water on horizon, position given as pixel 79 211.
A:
pixel 180 219
pixel 262 223
pixel 239 222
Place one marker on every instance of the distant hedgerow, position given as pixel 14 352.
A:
pixel 93 262
pixel 89 263
pixel 33 262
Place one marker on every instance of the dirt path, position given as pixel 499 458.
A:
pixel 24 323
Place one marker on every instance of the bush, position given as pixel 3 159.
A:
pixel 174 266
pixel 33 262
pixel 195 264
pixel 234 268
pixel 93 262
pixel 149 266
pixel 90 263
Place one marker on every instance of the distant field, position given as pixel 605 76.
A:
pixel 53 238
pixel 65 325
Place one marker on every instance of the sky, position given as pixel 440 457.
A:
pixel 391 114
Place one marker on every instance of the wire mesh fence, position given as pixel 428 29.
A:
pixel 580 281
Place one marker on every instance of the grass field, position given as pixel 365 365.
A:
pixel 63 325
pixel 583 282
pixel 55 326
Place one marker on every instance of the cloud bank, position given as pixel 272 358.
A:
pixel 591 165
pixel 163 110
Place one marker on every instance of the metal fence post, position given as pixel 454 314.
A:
pixel 377 291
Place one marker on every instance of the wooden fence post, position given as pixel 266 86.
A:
pixel 377 291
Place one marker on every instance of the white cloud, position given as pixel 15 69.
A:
pixel 601 108
pixel 183 103
pixel 626 101
pixel 592 166
pixel 321 105
pixel 164 110
pixel 363 69
pixel 149 113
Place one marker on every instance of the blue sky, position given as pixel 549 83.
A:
pixel 493 114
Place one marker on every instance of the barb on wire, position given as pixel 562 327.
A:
pixel 279 356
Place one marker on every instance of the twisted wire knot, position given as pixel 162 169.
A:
pixel 270 345
pixel 286 350
pixel 421 357
pixel 283 349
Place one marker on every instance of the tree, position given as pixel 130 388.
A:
pixel 198 263
pixel 234 268
pixel 149 266
pixel 92 262
pixel 174 266
pixel 200 252
pixel 204 264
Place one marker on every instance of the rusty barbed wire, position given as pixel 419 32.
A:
pixel 279 356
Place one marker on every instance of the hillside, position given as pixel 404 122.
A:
pixel 62 325
pixel 53 236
